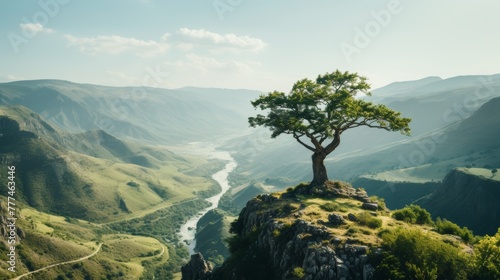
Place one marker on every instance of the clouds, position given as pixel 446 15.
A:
pixel 114 44
pixel 229 41
pixel 185 40
pixel 34 28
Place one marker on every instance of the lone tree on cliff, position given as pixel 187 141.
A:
pixel 316 113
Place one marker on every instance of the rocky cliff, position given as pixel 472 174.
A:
pixel 468 199
pixel 290 236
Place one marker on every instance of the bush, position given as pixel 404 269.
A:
pixel 405 215
pixel 444 226
pixel 330 207
pixel 413 214
pixel 486 259
pixel 411 254
pixel 368 220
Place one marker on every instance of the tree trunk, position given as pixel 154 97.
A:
pixel 319 170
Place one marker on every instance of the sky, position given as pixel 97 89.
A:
pixel 257 44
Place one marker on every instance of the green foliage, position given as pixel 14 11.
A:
pixel 368 220
pixel 160 225
pixel 330 207
pixel 243 261
pixel 486 259
pixel 405 215
pixel 413 214
pixel 132 184
pixel 444 226
pixel 411 254
pixel 325 107
pixel 315 111
pixel 298 272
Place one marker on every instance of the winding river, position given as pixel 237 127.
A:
pixel 188 230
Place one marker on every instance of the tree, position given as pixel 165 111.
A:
pixel 493 172
pixel 320 111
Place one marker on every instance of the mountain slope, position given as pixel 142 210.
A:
pixel 151 114
pixel 467 199
pixel 56 179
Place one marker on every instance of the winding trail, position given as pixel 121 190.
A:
pixel 58 264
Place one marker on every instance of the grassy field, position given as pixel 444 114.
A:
pixel 50 239
pixel 128 191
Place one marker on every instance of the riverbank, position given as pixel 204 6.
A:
pixel 188 230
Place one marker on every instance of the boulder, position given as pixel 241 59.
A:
pixel 370 206
pixel 352 217
pixel 336 219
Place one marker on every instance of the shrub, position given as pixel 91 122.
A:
pixel 405 215
pixel 411 254
pixel 133 184
pixel 413 214
pixel 444 226
pixel 330 207
pixel 486 259
pixel 368 220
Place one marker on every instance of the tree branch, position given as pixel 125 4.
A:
pixel 334 144
pixel 314 141
pixel 297 137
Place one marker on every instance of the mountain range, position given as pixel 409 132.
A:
pixel 116 159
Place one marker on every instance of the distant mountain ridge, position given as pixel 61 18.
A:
pixel 403 87
pixel 141 113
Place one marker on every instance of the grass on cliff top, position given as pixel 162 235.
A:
pixel 481 172
pixel 312 209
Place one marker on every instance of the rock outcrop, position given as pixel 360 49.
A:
pixel 197 268
pixel 266 247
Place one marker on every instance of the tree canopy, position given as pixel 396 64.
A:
pixel 317 112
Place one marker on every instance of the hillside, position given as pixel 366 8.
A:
pixel 335 233
pixel 211 231
pixel 397 194
pixel 141 113
pixel 111 181
pixel 469 197
pixel 44 240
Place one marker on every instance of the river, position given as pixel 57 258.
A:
pixel 188 230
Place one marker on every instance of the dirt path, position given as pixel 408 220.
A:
pixel 58 264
